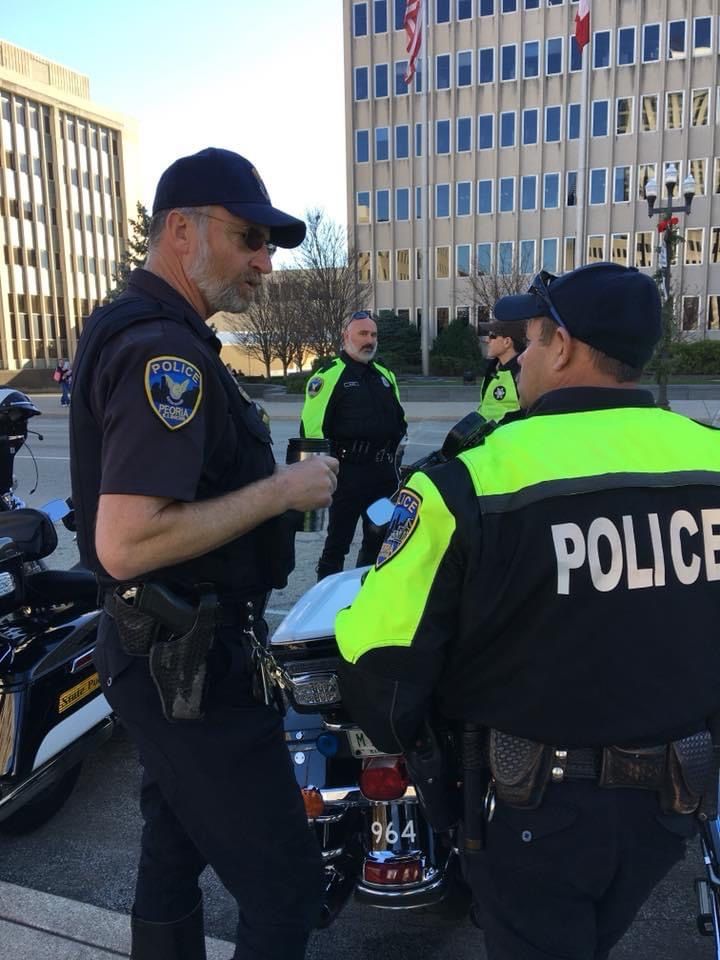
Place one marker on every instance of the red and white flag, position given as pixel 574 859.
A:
pixel 413 29
pixel 582 24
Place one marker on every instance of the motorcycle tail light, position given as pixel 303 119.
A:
pixel 384 778
pixel 314 803
pixel 407 870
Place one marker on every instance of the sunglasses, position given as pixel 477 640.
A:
pixel 541 288
pixel 253 237
pixel 361 315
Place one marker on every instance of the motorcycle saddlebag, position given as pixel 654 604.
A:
pixel 12 592
pixel 32 530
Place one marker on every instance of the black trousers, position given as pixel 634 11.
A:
pixel 219 792
pixel 566 880
pixel 359 485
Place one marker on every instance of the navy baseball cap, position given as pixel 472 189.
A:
pixel 216 177
pixel 612 308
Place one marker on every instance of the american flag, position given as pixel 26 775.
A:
pixel 582 24
pixel 413 29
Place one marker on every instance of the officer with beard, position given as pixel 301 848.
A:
pixel 176 490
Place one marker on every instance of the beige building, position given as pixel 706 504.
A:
pixel 65 179
pixel 483 174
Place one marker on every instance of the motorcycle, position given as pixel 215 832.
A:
pixel 52 711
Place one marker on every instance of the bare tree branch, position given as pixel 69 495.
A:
pixel 485 289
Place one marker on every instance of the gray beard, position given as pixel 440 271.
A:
pixel 219 294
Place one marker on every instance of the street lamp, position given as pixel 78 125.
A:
pixel 665 256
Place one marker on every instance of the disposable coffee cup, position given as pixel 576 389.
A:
pixel 301 448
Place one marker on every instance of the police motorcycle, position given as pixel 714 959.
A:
pixel 385 823
pixel 52 712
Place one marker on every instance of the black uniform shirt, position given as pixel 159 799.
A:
pixel 364 406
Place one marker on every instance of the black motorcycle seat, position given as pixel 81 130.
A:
pixel 63 586
pixel 32 530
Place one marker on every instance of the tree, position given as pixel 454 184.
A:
pixel 457 349
pixel 331 288
pixel 254 330
pixel 398 341
pixel 285 294
pixel 135 251
pixel 485 289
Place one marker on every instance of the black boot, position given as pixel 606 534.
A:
pixel 180 940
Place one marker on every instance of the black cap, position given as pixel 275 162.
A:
pixel 612 308
pixel 215 177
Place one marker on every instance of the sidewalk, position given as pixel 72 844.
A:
pixel 40 926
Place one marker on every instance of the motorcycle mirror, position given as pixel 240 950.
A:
pixel 56 509
pixel 380 513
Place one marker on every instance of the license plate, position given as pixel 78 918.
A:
pixel 361 745
pixel 81 690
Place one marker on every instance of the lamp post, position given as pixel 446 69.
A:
pixel 670 239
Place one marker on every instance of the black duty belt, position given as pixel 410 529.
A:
pixel 231 612
pixel 364 451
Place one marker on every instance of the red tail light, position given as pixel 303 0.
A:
pixel 395 871
pixel 384 778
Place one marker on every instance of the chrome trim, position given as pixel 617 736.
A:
pixel 400 898
pixel 77 665
pixel 332 854
pixel 352 797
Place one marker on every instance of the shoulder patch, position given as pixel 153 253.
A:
pixel 403 523
pixel 174 390
pixel 315 385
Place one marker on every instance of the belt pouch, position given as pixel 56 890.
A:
pixel 640 767
pixel 136 631
pixel 689 774
pixel 520 768
pixel 178 665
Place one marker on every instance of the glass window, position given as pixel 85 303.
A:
pixel 700 108
pixel 553 56
pixel 361 83
pixel 464 134
pixel 486 126
pixel 508 61
pixel 487 8
pixel 530 126
pixel 402 203
pixel 507 128
pixel 464 68
pixel 600 110
pixel 382 143
pixel 713 301
pixel 716 175
pixel 419 75
pixel 509 6
pixel 693 246
pixel 624 115
pixel 528 193
pixel 527 256
pixel 442 71
pixel 598 185
pixel 626 46
pixel 360 19
pixel 364 266
pixel 418 139
pixel 553 124
pixel 381 80
pixel 463 198
pixel 362 146
pixel 380 16
pixel 620 248
pixel 464 9
pixel 573 121
pixel 401 87
pixel 674 110
pixel 601 49
pixel 696 168
pixel 576 58
pixel 531 58
pixel 402 265
pixel 402 142
pixel 532 4
pixel 400 6
pixel 505 257
pixel 442 269
pixel 442 11
pixel 551 191
pixel 621 188
pixel 506 194
pixel 362 207
pixel 676 40
pixel 702 36
pixel 442 200
pixel 643 248
pixel 690 312
pixel 549 254
pixel 571 188
pixel 486 65
pixel 462 260
pixel 483 258
pixel 596 248
pixel 651 42
pixel 442 136
pixel 569 254
pixel 646 171
pixel 418 203
pixel 382 206
pixel 484 198
pixel 382 265
pixel 649 113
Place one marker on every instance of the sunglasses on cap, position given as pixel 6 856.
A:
pixel 541 288
pixel 253 237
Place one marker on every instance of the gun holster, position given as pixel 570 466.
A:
pixel 430 766
pixel 137 631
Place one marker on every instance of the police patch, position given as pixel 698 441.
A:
pixel 174 390
pixel 402 526
pixel 385 382
pixel 499 393
pixel 315 386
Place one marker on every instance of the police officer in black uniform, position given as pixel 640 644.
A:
pixel 181 507
pixel 536 593
pixel 354 401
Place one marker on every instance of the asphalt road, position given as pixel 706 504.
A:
pixel 89 850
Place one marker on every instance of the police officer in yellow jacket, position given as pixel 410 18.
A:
pixel 498 392
pixel 354 401
pixel 556 590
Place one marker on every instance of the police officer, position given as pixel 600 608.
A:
pixel 176 490
pixel 536 592
pixel 355 402
pixel 498 392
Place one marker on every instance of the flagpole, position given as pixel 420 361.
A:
pixel 425 320
pixel 582 159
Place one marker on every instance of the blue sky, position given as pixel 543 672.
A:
pixel 263 77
